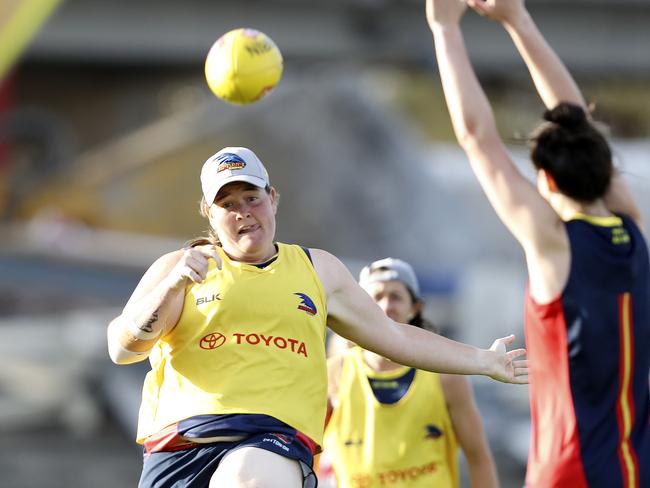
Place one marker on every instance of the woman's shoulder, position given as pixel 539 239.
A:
pixel 455 387
pixel 169 259
pixel 631 221
pixel 163 265
pixel 333 274
pixel 325 261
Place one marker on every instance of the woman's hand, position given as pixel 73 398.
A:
pixel 445 12
pixel 504 11
pixel 505 366
pixel 193 266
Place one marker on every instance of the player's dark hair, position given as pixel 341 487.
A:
pixel 574 152
pixel 418 320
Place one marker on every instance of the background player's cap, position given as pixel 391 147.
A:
pixel 228 165
pixel 390 269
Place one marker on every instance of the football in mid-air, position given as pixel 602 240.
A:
pixel 243 66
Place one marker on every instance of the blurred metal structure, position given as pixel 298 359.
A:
pixel 172 32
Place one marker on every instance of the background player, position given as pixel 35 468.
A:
pixel 588 298
pixel 392 425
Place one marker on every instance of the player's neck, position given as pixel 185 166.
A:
pixel 379 363
pixel 568 208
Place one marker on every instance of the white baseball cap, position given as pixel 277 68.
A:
pixel 228 165
pixel 390 269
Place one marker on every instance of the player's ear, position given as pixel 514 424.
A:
pixel 549 180
pixel 274 196
pixel 545 182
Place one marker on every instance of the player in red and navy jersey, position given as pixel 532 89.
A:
pixel 588 298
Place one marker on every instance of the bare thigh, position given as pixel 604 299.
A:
pixel 251 467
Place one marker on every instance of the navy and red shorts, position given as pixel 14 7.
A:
pixel 192 464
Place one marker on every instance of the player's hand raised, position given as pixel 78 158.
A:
pixel 499 10
pixel 445 11
pixel 193 266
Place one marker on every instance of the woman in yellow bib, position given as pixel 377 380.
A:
pixel 393 425
pixel 234 328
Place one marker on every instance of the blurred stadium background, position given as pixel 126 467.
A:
pixel 105 120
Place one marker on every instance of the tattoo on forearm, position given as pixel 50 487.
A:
pixel 148 325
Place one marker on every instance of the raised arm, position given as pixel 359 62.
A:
pixel 552 79
pixel 355 316
pixel 156 304
pixel 521 208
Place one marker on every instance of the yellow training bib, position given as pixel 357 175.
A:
pixel 249 340
pixel 410 443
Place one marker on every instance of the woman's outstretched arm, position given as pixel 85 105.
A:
pixel 352 314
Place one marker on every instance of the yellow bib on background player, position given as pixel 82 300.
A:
pixel 410 443
pixel 233 353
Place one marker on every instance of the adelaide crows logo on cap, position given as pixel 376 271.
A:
pixel 229 161
pixel 306 304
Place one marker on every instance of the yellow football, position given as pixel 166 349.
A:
pixel 243 66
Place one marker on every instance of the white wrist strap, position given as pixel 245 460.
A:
pixel 128 324
pixel 118 353
pixel 121 355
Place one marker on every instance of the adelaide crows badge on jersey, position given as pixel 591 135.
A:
pixel 306 304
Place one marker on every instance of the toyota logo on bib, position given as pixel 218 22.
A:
pixel 212 341
pixel 215 340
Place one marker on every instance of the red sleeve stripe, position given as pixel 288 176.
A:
pixel 625 404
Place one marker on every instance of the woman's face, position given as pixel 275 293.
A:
pixel 394 299
pixel 243 217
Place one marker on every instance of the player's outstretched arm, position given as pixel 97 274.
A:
pixel 355 316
